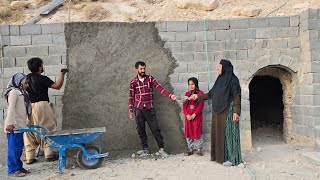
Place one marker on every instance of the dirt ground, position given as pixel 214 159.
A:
pixel 156 10
pixel 271 158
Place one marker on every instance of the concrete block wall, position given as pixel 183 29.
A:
pixel 250 44
pixel 20 43
pixel 306 108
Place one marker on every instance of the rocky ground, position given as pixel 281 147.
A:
pixel 271 158
pixel 154 10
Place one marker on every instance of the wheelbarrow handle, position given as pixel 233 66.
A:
pixel 31 128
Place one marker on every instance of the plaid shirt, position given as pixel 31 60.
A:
pixel 141 93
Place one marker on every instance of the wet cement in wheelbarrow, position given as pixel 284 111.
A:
pixel 101 58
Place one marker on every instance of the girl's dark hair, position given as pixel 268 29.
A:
pixel 196 83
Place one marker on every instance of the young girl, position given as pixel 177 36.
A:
pixel 193 118
pixel 19 111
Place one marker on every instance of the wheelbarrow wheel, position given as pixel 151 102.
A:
pixel 89 163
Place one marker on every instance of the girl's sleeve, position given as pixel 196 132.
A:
pixel 11 115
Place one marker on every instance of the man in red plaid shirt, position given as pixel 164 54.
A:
pixel 141 105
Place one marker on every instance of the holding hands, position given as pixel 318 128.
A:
pixel 193 97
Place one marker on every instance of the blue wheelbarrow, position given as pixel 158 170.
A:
pixel 88 156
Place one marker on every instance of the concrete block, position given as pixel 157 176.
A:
pixel 293 42
pixel 183 57
pixel 53 71
pixel 259 43
pixel 237 44
pixel 315 55
pixel 246 34
pixel 8 62
pixel 52 60
pixel 216 46
pixel 14 30
pixel 63 59
pixel 231 55
pixel 5 40
pixel 52 28
pixel 200 36
pixel 177 26
pixel 30 29
pixel 245 125
pixel 310 121
pixel 41 39
pixel 314 44
pixel 225 34
pixel 174 47
pixel 201 56
pixel 313 24
pixel 257 53
pixel 168 36
pixel 206 127
pixel 59 100
pixel 195 26
pixel 4 30
pixel 174 78
pixel 287 32
pixel 183 77
pixel 179 88
pixel 242 54
pixel 192 47
pixel 294 21
pixel 22 61
pixel 195 67
pixel 277 43
pixel 26 70
pixel 54 92
pixel 58 38
pixel 185 36
pixel 265 33
pixel 11 51
pixel 37 51
pixel 3 104
pixel 57 49
pixel 245 116
pixel 204 76
pixel 279 22
pixel 9 72
pixel 258 22
pixel 161 26
pixel 20 40
pixel 239 23
pixel 218 24
pixel 182 68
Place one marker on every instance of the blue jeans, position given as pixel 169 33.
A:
pixel 15 146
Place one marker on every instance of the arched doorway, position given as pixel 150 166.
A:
pixel 270 105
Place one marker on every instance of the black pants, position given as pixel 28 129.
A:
pixel 148 115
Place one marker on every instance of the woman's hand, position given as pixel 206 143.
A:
pixel 189 117
pixel 236 117
pixel 9 128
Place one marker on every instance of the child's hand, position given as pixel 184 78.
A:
pixel 193 116
pixel 9 128
pixel 189 117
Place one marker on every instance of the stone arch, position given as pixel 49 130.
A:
pixel 287 77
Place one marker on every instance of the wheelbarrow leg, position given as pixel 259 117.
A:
pixel 62 158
